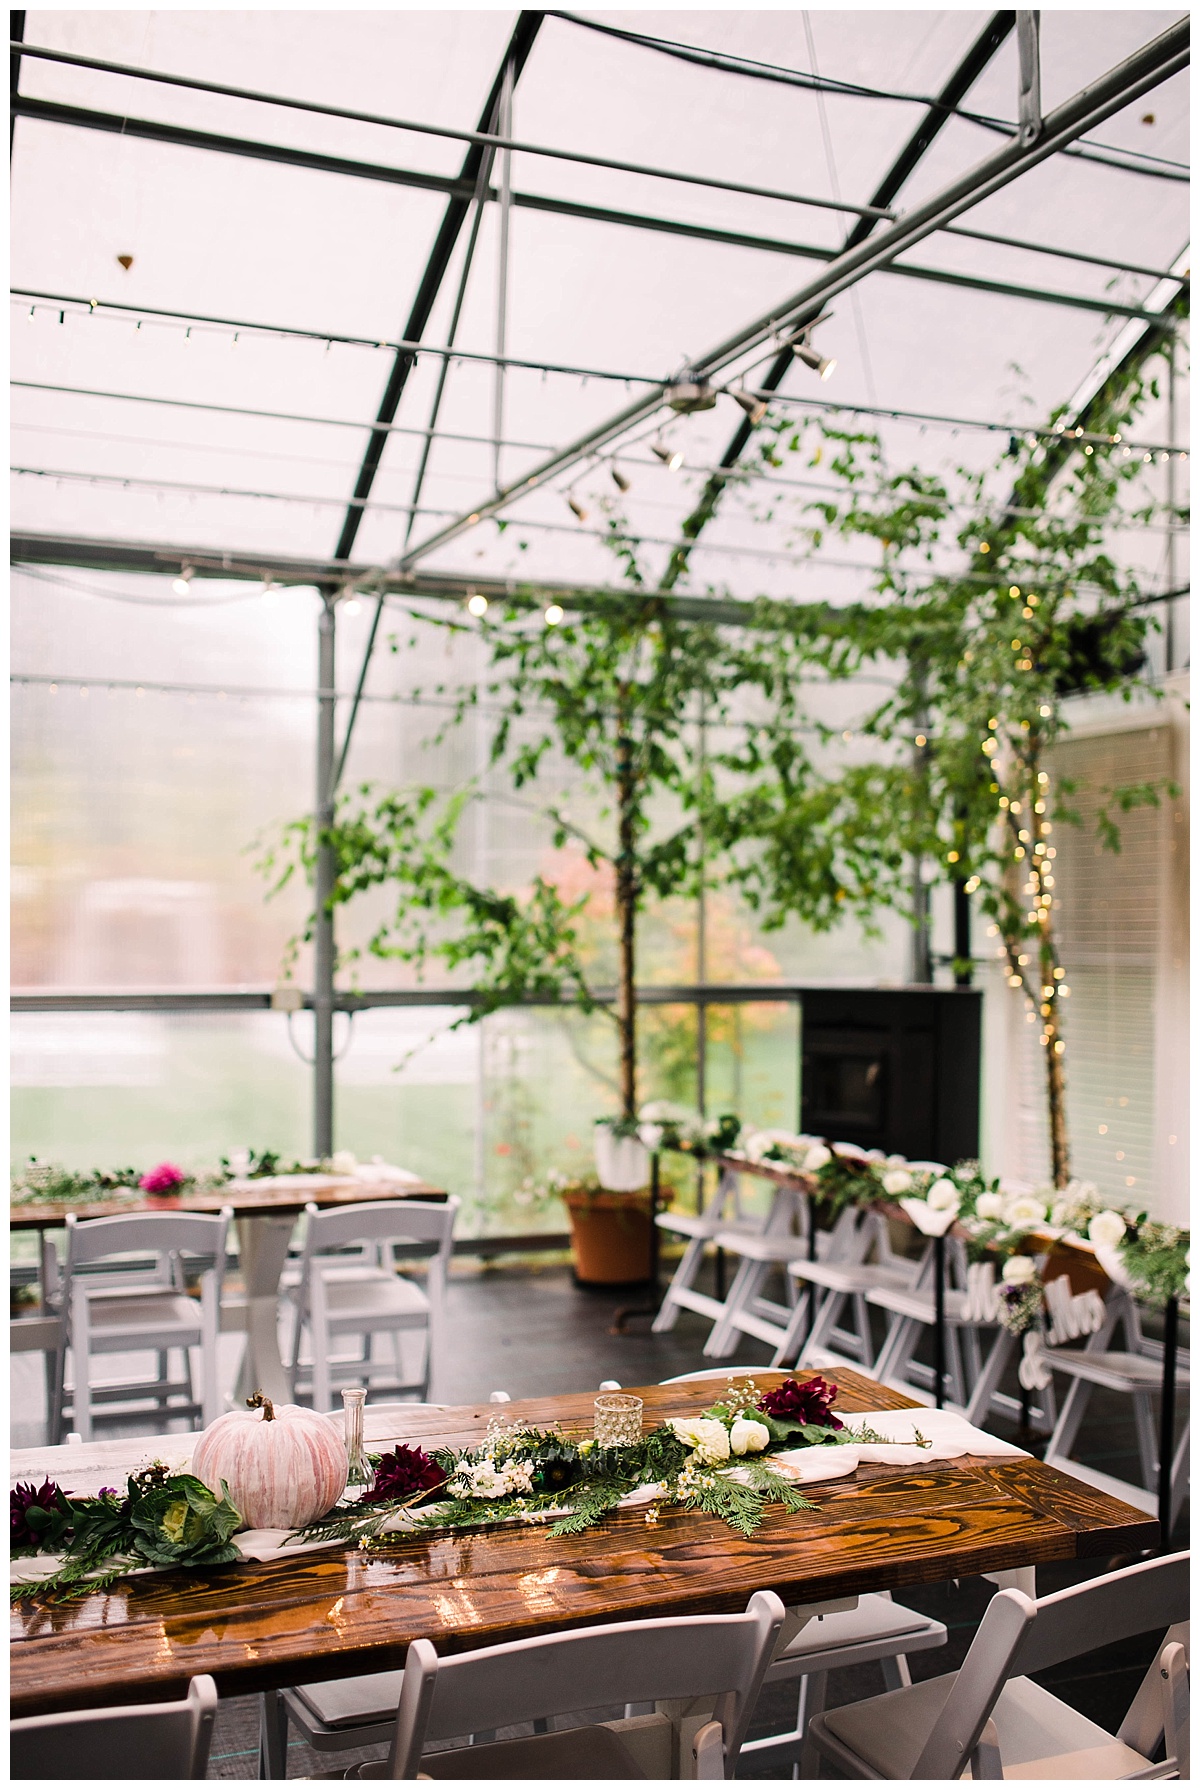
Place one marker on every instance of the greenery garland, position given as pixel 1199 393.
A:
pixel 533 1475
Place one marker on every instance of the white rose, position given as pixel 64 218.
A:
pixel 1106 1229
pixel 651 1135
pixel 931 1221
pixel 897 1180
pixel 748 1437
pixel 943 1196
pixel 343 1162
pixel 816 1158
pixel 1019 1270
pixel 1026 1209
pixel 707 1437
pixel 989 1205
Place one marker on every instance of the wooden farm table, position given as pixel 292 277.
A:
pixel 336 1613
pixel 265 1211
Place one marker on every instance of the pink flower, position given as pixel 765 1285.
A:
pixel 166 1178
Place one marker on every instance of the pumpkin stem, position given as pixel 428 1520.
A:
pixel 259 1400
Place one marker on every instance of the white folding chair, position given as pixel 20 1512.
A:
pixel 364 1296
pixel 867 1263
pixel 1135 1371
pixel 877 1631
pixel 972 1377
pixel 137 1740
pixel 123 1292
pixel 723 1212
pixel 992 1716
pixel 747 1311
pixel 705 1670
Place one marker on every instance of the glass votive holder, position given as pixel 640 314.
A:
pixel 617 1420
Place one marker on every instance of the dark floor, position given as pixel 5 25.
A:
pixel 532 1332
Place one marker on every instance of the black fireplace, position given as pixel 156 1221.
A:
pixel 893 1069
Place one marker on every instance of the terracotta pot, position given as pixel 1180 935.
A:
pixel 610 1235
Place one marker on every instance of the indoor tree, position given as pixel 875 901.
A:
pixel 615 688
pixel 992 611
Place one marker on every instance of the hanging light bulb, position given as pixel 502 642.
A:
pixel 577 507
pixel 754 406
pixel 183 584
pixel 352 606
pixel 619 480
pixel 477 605
pixel 671 458
pixel 553 615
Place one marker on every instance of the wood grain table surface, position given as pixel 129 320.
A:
pixel 272 1196
pixel 339 1612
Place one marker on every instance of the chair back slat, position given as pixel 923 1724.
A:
pixel 696 1656
pixel 163 1233
pixel 381 1221
pixel 977 1684
pixel 1150 1595
pixel 155 1740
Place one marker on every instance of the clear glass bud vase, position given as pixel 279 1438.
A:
pixel 358 1475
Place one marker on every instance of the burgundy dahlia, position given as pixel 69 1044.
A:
pixel 807 1403
pixel 401 1474
pixel 45 1499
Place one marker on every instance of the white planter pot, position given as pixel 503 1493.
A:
pixel 622 1163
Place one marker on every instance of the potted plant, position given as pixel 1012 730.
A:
pixel 610 1233
pixel 622 1159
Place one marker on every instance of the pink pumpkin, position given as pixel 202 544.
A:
pixel 284 1466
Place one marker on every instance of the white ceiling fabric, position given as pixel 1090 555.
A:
pixel 248 240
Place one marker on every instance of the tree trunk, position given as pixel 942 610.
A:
pixel 1045 995
pixel 627 895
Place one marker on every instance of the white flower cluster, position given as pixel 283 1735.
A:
pixel 487 1479
pixel 660 1119
pixel 795 1149
pixel 712 1443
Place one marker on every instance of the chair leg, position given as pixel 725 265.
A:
pixel 746 1282
pixel 272 1735
pixel 896 1675
pixel 816 1685
pixel 684 1275
pixel 163 1399
pixel 1179 1473
pixel 789 1349
pixel 1143 1417
pixel 81 1397
pixel 1069 1419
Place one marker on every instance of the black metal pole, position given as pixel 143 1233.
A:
pixel 1166 1445
pixel 939 1319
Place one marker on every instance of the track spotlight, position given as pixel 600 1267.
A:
pixel 554 614
pixel 619 479
pixel 691 391
pixel 803 349
pixel 578 508
pixel 755 408
pixel 671 458
pixel 183 584
pixel 477 605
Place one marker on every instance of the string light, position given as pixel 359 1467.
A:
pixel 183 584
pixel 477 604
pixel 554 614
